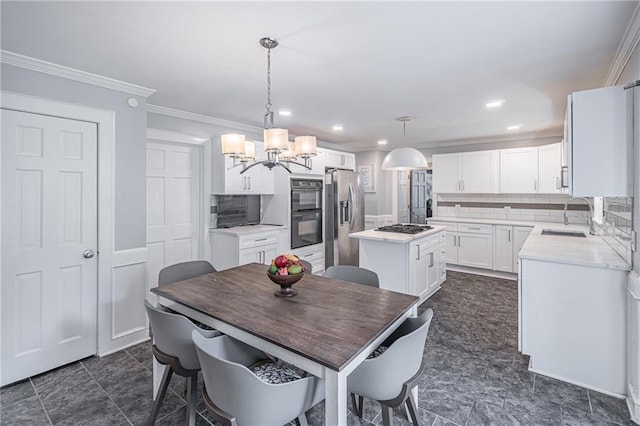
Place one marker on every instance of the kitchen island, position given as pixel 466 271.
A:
pixel 407 263
pixel 572 308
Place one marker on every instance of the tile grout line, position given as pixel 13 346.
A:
pixel 46 413
pixel 106 393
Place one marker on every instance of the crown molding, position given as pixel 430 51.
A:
pixel 625 50
pixel 170 136
pixel 171 112
pixel 27 62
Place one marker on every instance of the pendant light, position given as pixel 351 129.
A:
pixel 404 158
pixel 276 140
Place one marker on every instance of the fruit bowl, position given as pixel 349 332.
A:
pixel 286 270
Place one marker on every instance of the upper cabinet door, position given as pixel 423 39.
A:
pixel 479 171
pixel 227 179
pixel 519 170
pixel 549 169
pixel 446 173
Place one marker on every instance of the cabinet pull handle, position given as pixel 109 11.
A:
pixel 535 184
pixel 458 240
pixel 431 263
pixel 261 239
pixel 462 184
pixel 509 235
pixel 564 176
pixel 249 181
pixel 558 184
pixel 475 229
pixel 418 258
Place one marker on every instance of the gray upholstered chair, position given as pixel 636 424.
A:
pixel 173 347
pixel 235 395
pixel 184 270
pixel 389 374
pixel 353 274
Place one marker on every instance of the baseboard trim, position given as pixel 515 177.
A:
pixel 574 382
pixel 484 272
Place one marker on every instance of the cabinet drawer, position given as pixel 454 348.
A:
pixel 451 226
pixel 475 228
pixel 256 240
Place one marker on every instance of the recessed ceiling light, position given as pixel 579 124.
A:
pixel 494 104
pixel 337 127
pixel 514 127
pixel 382 142
pixel 284 112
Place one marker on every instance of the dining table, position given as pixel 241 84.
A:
pixel 327 329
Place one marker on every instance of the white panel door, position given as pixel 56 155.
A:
pixel 173 205
pixel 475 250
pixel 49 219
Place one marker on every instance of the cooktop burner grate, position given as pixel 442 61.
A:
pixel 404 229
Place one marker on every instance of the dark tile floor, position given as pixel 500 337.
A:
pixel 474 376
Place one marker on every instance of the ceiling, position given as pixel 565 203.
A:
pixel 359 64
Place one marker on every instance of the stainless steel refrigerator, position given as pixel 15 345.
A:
pixel 344 214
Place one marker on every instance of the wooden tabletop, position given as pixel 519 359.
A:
pixel 330 321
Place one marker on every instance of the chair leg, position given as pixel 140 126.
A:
pixel 192 391
pixel 301 420
pixel 387 416
pixel 356 408
pixel 164 384
pixel 412 407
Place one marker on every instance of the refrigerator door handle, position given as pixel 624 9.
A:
pixel 344 212
pixel 351 200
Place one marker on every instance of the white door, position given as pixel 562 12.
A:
pixel 519 170
pixel 549 167
pixel 49 219
pixel 479 171
pixel 403 197
pixel 475 250
pixel 173 205
pixel 503 260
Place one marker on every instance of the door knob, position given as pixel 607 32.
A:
pixel 88 254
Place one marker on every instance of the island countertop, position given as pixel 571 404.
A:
pixel 394 237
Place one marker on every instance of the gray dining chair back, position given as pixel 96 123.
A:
pixel 234 395
pixel 307 265
pixel 173 347
pixel 389 377
pixel 354 274
pixel 184 271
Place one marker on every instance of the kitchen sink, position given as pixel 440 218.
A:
pixel 564 233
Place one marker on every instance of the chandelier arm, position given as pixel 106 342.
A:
pixel 283 166
pixel 300 164
pixel 253 165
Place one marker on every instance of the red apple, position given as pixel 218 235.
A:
pixel 281 261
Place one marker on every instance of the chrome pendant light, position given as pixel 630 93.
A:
pixel 276 140
pixel 404 158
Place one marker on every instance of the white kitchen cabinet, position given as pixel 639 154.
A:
pixel 446 173
pixel 549 168
pixel 508 242
pixel 520 235
pixel 597 143
pixel 317 163
pixel 409 264
pixel 468 244
pixel 503 258
pixel 573 323
pixel 313 254
pixel 227 179
pixel 468 172
pixel 340 160
pixel 239 246
pixel 519 170
pixel 426 267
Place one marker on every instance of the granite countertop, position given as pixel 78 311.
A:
pixel 394 237
pixel 590 251
pixel 249 229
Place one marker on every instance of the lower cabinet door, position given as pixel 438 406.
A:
pixel 475 250
pixel 503 260
pixel 262 254
pixel 451 248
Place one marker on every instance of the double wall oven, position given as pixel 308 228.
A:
pixel 306 212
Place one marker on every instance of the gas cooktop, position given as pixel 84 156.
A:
pixel 405 229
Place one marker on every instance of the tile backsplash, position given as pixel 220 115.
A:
pixel 616 229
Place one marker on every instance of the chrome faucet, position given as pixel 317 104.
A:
pixel 592 230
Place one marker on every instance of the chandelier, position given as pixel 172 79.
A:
pixel 404 158
pixel 277 147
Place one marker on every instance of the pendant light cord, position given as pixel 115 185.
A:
pixel 268 104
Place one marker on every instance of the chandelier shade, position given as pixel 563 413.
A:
pixel 233 144
pixel 276 139
pixel 306 146
pixel 249 151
